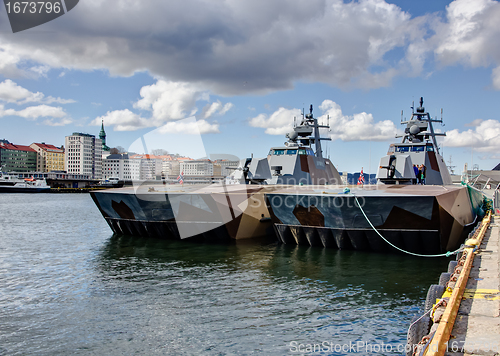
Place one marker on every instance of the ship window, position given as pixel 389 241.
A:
pixel 302 151
pixel 402 149
pixel 279 152
pixel 417 149
pixel 270 153
pixel 430 148
pixel 291 152
pixel 310 152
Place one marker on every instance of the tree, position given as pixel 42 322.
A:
pixel 159 152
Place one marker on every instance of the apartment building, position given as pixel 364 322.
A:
pixel 48 157
pixel 83 155
pixel 16 158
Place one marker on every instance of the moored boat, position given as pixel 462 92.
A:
pixel 413 207
pixel 11 183
pixel 232 210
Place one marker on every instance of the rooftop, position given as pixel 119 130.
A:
pixel 11 146
pixel 47 147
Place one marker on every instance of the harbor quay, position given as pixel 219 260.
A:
pixel 477 326
pixel 463 310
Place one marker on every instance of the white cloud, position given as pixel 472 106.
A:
pixel 122 120
pixel 241 46
pixel 167 102
pixel 9 61
pixel 216 108
pixel 41 71
pixel 189 127
pixel 468 35
pixel 495 77
pixel 279 123
pixel 173 137
pixel 34 112
pixel 11 92
pixel 485 137
pixel 232 47
pixel 359 127
pixel 61 122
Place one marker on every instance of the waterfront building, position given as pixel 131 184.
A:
pixel 16 158
pixel 83 155
pixel 200 167
pixel 120 166
pixel 224 167
pixel 48 157
pixel 60 179
pixel 148 167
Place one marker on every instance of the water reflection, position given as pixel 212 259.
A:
pixel 265 297
pixel 68 286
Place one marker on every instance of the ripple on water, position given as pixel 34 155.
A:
pixel 68 286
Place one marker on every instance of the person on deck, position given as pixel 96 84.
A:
pixel 419 174
pixel 415 169
pixel 422 167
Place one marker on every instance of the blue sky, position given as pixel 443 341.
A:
pixel 237 72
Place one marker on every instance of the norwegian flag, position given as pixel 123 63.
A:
pixel 180 178
pixel 361 179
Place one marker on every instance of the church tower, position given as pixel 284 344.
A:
pixel 102 136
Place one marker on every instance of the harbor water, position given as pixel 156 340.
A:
pixel 68 286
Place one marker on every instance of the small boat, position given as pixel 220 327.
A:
pixel 11 183
pixel 231 210
pixel 406 210
pixel 111 182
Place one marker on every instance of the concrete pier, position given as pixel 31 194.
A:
pixel 477 327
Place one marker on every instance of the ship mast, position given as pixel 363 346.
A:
pixel 417 126
pixel 317 137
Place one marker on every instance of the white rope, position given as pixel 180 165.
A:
pixel 447 254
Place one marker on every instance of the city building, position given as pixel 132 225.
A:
pixel 48 157
pixel 83 155
pixel 200 167
pixel 224 167
pixel 149 166
pixel 120 166
pixel 16 158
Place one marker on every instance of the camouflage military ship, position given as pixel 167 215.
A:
pixel 418 215
pixel 221 212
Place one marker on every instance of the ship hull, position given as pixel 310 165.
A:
pixel 24 190
pixel 418 219
pixel 212 213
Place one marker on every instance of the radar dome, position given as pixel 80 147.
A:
pixel 292 135
pixel 414 129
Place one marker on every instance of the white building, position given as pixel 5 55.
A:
pixel 120 166
pixel 83 155
pixel 149 167
pixel 226 167
pixel 201 167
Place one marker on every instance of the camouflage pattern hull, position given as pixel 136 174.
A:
pixel 416 218
pixel 211 213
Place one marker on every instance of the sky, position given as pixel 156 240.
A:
pixel 208 77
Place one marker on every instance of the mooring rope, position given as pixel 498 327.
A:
pixel 430 312
pixel 447 254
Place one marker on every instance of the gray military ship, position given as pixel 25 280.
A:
pixel 420 215
pixel 221 212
